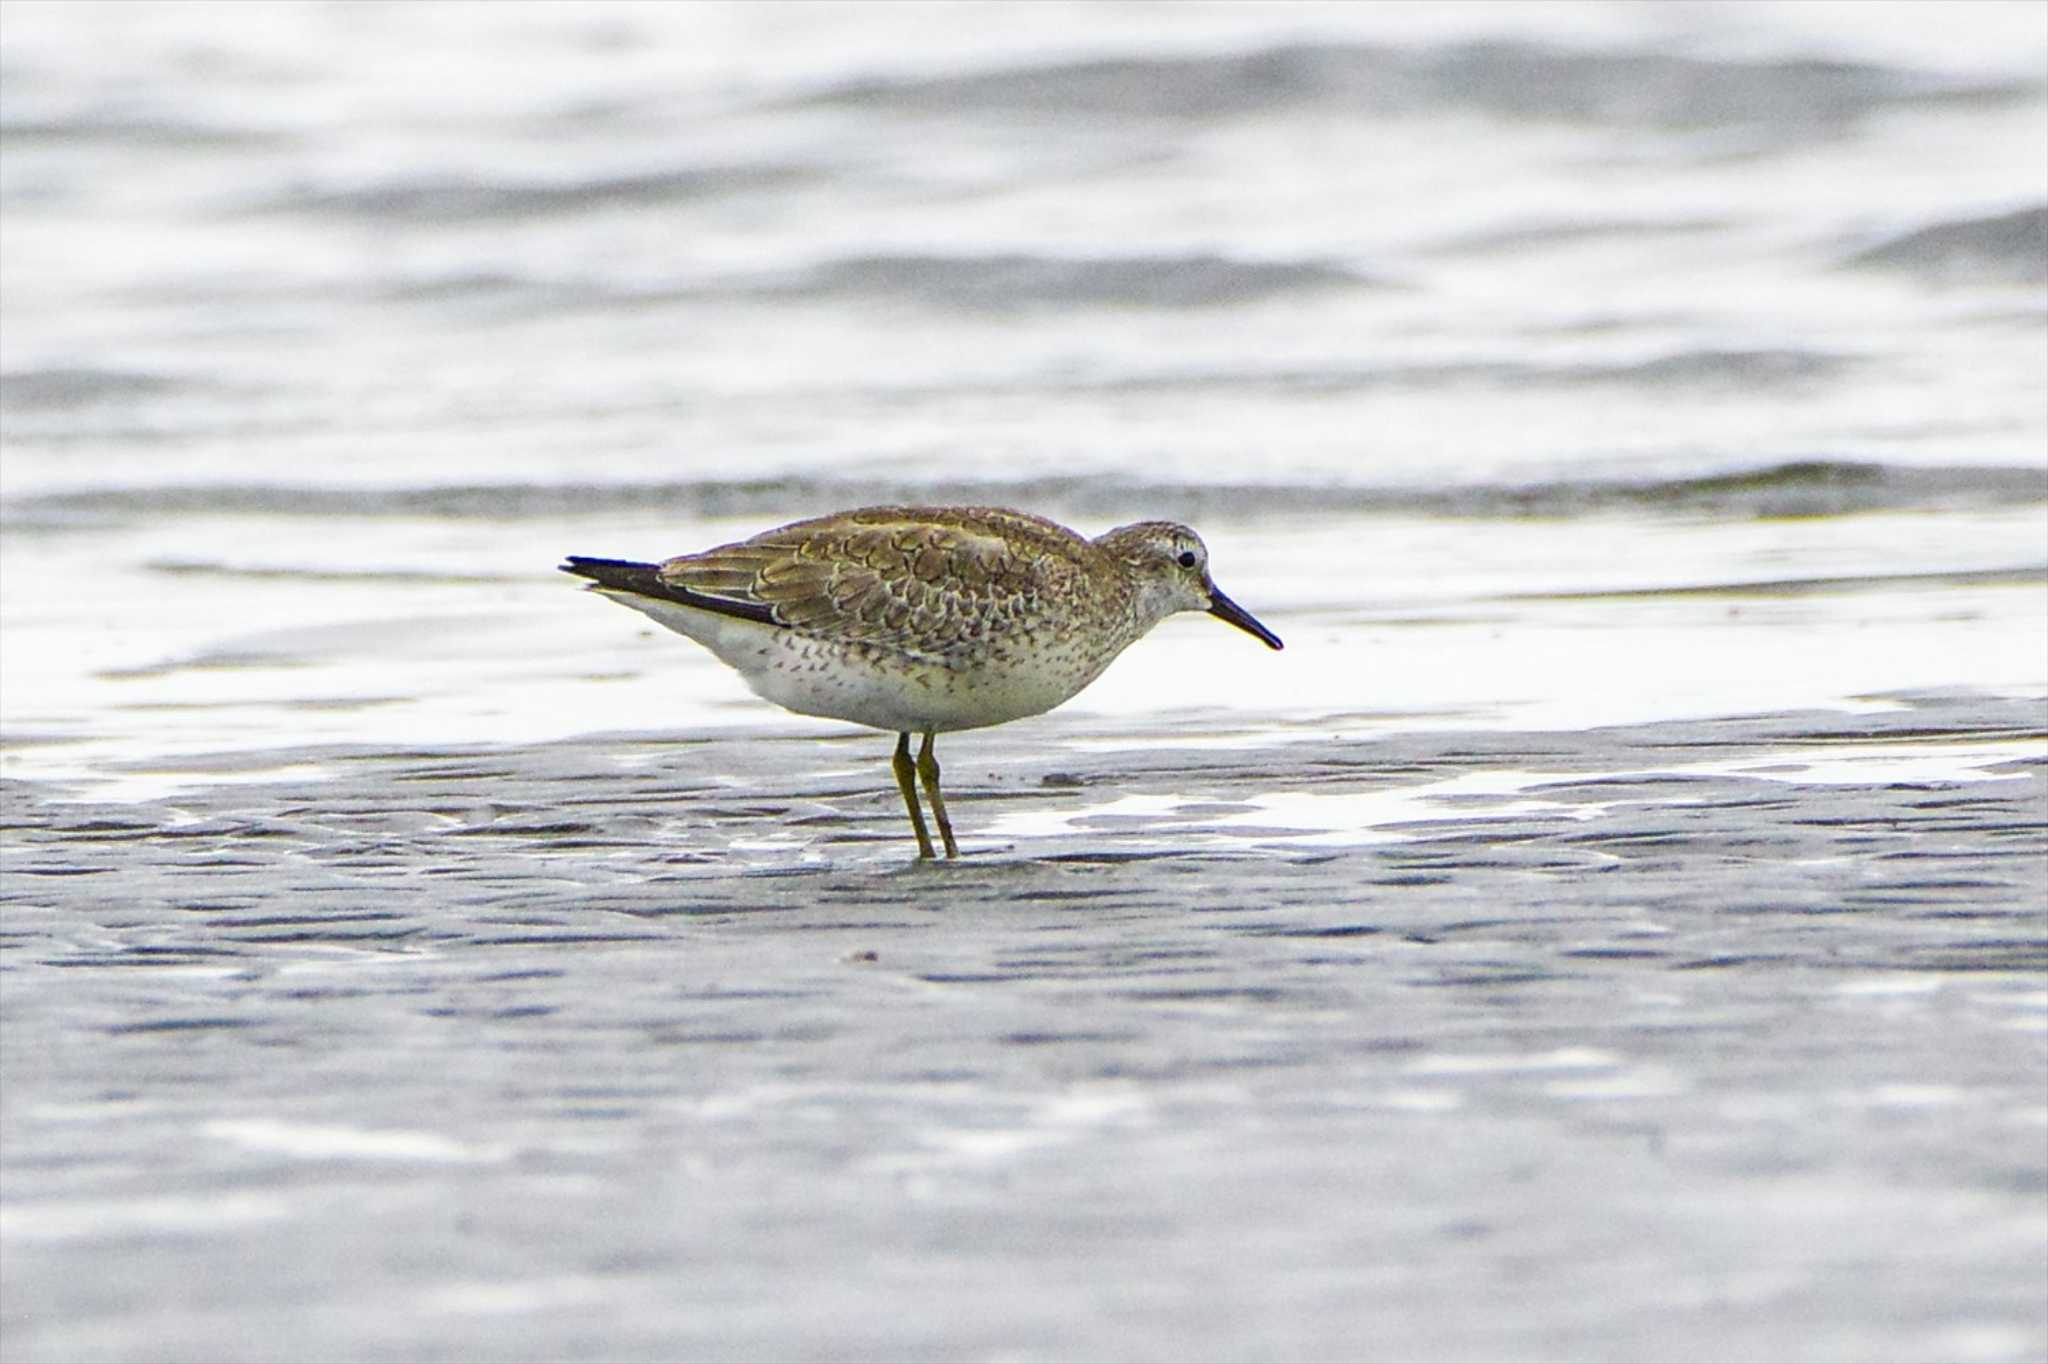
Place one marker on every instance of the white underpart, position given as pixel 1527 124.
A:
pixel 872 686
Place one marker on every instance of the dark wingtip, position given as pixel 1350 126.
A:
pixel 644 580
pixel 625 574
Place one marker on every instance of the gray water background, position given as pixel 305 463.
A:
pixel 1613 929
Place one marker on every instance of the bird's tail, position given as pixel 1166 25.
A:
pixel 620 575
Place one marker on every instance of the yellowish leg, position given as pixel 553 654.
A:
pixel 928 768
pixel 904 769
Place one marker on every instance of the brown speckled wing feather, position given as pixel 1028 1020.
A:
pixel 891 575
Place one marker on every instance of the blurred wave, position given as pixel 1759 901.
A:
pixel 486 274
pixel 59 403
pixel 161 130
pixel 451 198
pixel 2008 247
pixel 1505 78
pixel 1709 369
pixel 1803 488
pixel 1025 280
pixel 64 387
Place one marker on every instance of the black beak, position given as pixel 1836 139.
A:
pixel 1223 608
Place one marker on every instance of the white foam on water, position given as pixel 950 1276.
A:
pixel 1903 762
pixel 1640 1082
pixel 1301 817
pixel 178 1215
pixel 308 1141
pixel 1504 1063
pixel 1354 818
pixel 517 1297
pixel 1918 1096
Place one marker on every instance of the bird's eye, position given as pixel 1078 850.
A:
pixel 1187 558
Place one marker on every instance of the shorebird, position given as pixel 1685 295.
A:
pixel 924 620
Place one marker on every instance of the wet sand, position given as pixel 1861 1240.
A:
pixel 1687 1040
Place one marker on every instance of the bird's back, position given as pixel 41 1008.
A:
pixel 953 585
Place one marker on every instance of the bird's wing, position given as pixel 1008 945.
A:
pixel 917 581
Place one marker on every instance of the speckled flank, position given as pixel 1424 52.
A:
pixel 924 620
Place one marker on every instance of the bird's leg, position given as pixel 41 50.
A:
pixel 904 769
pixel 928 768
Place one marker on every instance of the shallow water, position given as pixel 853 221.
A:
pixel 1671 1041
pixel 1612 928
